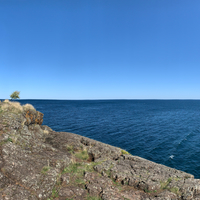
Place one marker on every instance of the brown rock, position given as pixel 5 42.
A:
pixel 33 117
pixel 66 192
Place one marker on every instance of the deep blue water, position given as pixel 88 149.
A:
pixel 152 129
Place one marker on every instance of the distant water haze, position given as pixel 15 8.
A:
pixel 163 131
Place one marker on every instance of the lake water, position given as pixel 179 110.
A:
pixel 163 131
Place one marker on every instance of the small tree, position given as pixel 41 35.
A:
pixel 15 95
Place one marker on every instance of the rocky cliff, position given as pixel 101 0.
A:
pixel 39 163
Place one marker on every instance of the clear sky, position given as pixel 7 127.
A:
pixel 100 49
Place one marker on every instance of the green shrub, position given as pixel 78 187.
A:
pixel 124 152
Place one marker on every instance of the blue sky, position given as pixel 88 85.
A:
pixel 100 49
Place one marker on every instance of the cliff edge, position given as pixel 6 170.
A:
pixel 37 163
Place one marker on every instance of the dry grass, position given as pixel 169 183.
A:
pixel 11 106
pixel 46 132
pixel 15 106
pixel 28 107
pixel 6 101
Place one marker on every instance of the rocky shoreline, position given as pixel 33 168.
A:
pixel 39 163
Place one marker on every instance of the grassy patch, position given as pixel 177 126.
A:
pixel 175 190
pixel 9 140
pixel 83 155
pixel 80 168
pixel 117 184
pixel 72 168
pixel 5 141
pixel 93 198
pixel 70 148
pixel 177 178
pixel 169 180
pixel 125 152
pixel 5 123
pixel 164 185
pixel 77 171
pixel 45 169
pixel 54 193
pixel 149 191
pixel 108 172
pixel 56 188
pixel 79 181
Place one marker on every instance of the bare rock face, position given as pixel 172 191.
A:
pixel 39 163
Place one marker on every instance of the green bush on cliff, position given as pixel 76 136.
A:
pixel 124 152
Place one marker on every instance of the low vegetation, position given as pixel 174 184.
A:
pixel 70 149
pixel 93 198
pixel 164 185
pixel 45 169
pixel 124 152
pixel 83 155
pixel 15 107
pixel 175 190
pixel 11 106
pixel 79 169
pixel 6 141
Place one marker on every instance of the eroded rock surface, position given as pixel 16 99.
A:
pixel 39 163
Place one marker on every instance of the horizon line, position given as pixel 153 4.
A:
pixel 98 99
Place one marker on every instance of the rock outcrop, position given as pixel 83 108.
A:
pixel 39 163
